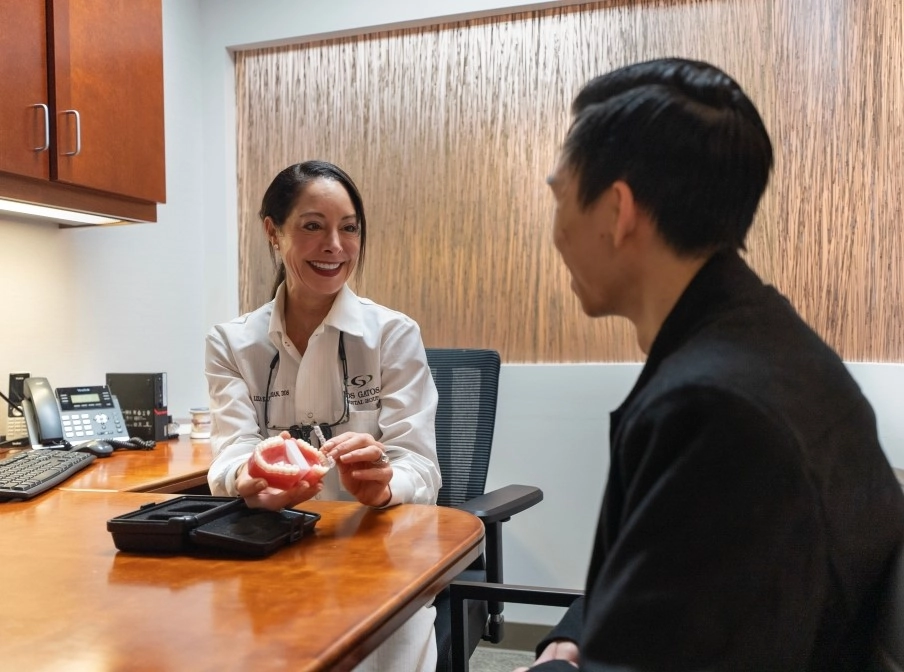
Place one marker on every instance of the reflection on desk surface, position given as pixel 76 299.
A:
pixel 320 604
pixel 182 463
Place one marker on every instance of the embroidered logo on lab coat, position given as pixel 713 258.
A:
pixel 362 391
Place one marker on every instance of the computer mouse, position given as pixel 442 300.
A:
pixel 97 447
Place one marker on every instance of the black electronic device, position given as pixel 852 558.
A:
pixel 97 447
pixel 142 397
pixel 16 391
pixel 16 429
pixel 71 415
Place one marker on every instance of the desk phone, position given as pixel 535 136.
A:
pixel 70 414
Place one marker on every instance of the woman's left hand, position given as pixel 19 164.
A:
pixel 363 465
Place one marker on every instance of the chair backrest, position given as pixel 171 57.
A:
pixel 467 381
pixel 890 634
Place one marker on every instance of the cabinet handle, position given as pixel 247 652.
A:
pixel 46 144
pixel 78 132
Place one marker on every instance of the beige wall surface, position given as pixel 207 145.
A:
pixel 450 131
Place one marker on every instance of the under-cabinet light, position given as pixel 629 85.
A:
pixel 54 214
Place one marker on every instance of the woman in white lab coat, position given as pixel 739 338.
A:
pixel 318 355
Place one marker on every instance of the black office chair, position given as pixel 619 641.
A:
pixel 467 382
pixel 889 638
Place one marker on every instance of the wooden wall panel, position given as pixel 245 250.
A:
pixel 450 132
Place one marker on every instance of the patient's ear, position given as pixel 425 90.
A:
pixel 625 212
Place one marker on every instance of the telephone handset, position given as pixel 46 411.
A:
pixel 42 415
pixel 71 415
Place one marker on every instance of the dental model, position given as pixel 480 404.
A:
pixel 284 463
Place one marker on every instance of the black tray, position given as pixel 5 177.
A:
pixel 202 522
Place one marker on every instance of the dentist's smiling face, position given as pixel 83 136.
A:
pixel 320 240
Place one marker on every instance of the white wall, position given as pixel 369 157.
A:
pixel 83 302
pixel 141 298
pixel 552 430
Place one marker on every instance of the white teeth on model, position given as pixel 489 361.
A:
pixel 278 441
pixel 324 267
pixel 278 467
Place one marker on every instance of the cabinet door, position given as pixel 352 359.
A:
pixel 24 112
pixel 107 83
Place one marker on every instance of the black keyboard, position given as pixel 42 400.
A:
pixel 32 472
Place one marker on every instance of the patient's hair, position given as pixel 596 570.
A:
pixel 686 139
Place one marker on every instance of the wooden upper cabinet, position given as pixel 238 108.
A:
pixel 24 103
pixel 106 87
pixel 81 105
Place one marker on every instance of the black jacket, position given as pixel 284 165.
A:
pixel 750 512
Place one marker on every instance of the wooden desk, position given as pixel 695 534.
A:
pixel 172 466
pixel 72 601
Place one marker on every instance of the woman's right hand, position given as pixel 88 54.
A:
pixel 259 495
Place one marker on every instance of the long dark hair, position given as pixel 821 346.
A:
pixel 289 185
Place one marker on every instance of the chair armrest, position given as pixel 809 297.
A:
pixel 500 505
pixel 494 508
pixel 461 591
pixel 542 596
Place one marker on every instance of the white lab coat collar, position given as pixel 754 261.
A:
pixel 345 315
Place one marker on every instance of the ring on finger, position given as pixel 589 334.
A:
pixel 382 460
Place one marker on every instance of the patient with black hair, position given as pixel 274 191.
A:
pixel 750 514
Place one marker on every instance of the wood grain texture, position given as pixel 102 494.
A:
pixel 107 65
pixel 360 575
pixel 451 130
pixel 23 73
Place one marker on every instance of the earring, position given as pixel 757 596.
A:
pixel 275 246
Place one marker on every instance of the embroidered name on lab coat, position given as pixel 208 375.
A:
pixel 273 393
pixel 362 391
